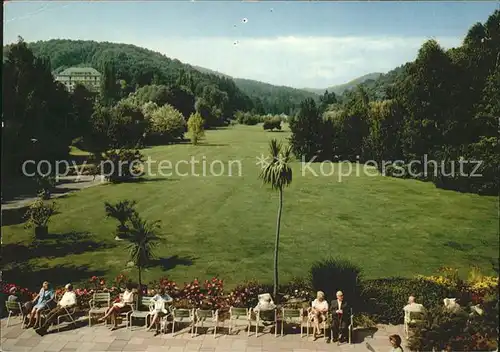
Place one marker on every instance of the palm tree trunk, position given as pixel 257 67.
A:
pixel 140 281
pixel 276 244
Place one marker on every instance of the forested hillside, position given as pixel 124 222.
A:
pixel 136 67
pixel 269 98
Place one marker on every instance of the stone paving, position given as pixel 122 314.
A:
pixel 100 338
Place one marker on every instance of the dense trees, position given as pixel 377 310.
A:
pixel 136 67
pixel 443 107
pixel 38 121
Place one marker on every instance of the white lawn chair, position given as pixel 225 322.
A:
pixel 140 312
pixel 323 325
pixel 68 313
pixel 183 316
pixel 270 316
pixel 411 318
pixel 291 316
pixel 99 305
pixel 202 315
pixel 15 308
pixel 239 314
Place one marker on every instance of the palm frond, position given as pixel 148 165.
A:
pixel 278 172
pixel 143 241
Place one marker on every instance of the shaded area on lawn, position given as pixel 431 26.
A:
pixel 172 262
pixel 54 245
pixel 25 276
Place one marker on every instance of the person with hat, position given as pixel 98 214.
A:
pixel 67 301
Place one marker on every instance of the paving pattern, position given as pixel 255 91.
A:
pixel 100 338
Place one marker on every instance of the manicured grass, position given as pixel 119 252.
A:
pixel 226 225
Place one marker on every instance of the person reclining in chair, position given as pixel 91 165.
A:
pixel 67 301
pixel 266 303
pixel 340 318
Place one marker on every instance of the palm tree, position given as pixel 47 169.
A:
pixel 278 174
pixel 122 211
pixel 143 240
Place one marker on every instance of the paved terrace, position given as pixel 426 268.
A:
pixel 99 338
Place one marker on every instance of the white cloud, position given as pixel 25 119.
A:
pixel 296 61
pixel 315 62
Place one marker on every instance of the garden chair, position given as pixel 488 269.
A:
pixel 46 310
pixel 124 316
pixel 323 325
pixel 266 316
pixel 239 314
pixel 141 311
pixel 350 328
pixel 203 315
pixel 183 316
pixel 291 316
pixel 411 319
pixel 99 304
pixel 15 308
pixel 68 313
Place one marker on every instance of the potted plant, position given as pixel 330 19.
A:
pixel 38 216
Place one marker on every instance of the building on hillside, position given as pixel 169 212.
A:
pixel 87 76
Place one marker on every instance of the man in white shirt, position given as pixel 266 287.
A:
pixel 67 301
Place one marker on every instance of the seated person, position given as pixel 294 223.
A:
pixel 265 303
pixel 451 305
pixel 43 300
pixel 68 300
pixel 122 306
pixel 412 306
pixel 159 299
pixel 12 295
pixel 340 318
pixel 317 312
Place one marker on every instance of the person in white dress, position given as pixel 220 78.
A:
pixel 122 306
pixel 317 312
pixel 158 307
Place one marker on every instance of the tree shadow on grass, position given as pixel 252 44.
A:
pixel 53 245
pixel 13 216
pixel 26 276
pixel 172 262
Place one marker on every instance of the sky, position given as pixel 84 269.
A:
pixel 311 44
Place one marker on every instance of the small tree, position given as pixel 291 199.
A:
pixel 278 174
pixel 195 127
pixel 143 240
pixel 38 216
pixel 122 211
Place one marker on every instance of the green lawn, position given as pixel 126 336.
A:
pixel 225 225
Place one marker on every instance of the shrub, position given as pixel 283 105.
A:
pixel 458 331
pixel 246 295
pixel 166 125
pixel 247 118
pixel 122 165
pixel 272 124
pixel 39 213
pixel 297 289
pixel 122 211
pixel 384 299
pixel 332 275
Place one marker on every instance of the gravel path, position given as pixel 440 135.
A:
pixel 67 184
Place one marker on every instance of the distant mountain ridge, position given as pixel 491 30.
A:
pixel 341 88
